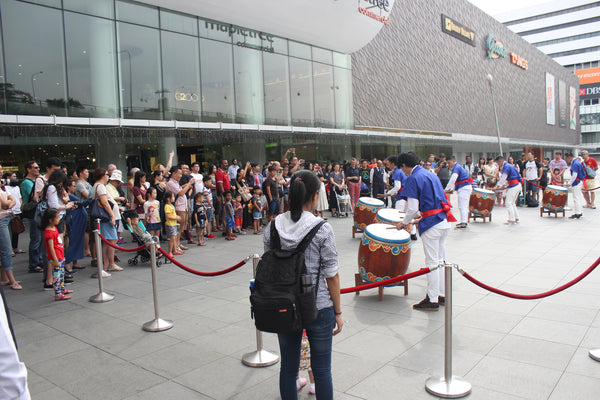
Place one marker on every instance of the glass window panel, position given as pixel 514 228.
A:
pixel 249 97
pixel 214 30
pixel 181 78
pixel 321 55
pixel 343 98
pixel 35 70
pixel 341 60
pixel 277 89
pixel 178 23
pixel 299 50
pixel 52 3
pixel 324 106
pixel 216 68
pixel 301 92
pixel 3 86
pixel 91 56
pixel 137 13
pixel 246 37
pixel 102 8
pixel 139 66
pixel 279 45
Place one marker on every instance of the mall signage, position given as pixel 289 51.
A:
pixel 591 91
pixel 458 30
pixel 246 33
pixel 379 10
pixel 495 48
pixel 519 61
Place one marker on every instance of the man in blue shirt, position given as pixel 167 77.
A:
pixel 509 176
pixel 395 192
pixel 425 195
pixel 460 181
pixel 577 177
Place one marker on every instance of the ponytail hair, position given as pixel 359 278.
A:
pixel 48 216
pixel 304 186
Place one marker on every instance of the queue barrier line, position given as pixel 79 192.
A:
pixel 386 282
pixel 530 296
pixel 199 273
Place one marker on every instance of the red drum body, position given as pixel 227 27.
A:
pixel 555 198
pixel 389 216
pixel 384 253
pixel 481 202
pixel 365 211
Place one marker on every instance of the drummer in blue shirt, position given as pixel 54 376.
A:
pixel 577 182
pixel 509 177
pixel 460 181
pixel 425 195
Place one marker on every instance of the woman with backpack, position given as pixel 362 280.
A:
pixel 322 264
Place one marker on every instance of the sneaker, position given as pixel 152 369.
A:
pixel 68 281
pixel 48 287
pixel 442 300
pixel 300 383
pixel 575 216
pixel 311 389
pixel 426 305
pixel 121 241
pixel 413 237
pixel 211 236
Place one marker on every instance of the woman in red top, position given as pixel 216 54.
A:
pixel 56 253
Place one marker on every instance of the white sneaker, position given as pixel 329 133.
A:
pixel 300 383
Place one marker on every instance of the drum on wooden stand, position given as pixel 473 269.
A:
pixel 481 204
pixel 384 253
pixel 389 216
pixel 554 200
pixel 365 212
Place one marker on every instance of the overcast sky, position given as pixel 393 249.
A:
pixel 493 7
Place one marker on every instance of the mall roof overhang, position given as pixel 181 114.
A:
pixel 332 24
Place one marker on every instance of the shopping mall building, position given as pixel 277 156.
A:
pixel 125 82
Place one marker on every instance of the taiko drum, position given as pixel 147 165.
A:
pixel 555 198
pixel 365 211
pixel 481 202
pixel 389 216
pixel 384 253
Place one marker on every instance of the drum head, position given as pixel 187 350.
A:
pixel 370 201
pixel 387 233
pixel 483 191
pixel 390 215
pixel 559 188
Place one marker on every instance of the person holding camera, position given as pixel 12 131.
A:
pixel 11 184
pixel 7 202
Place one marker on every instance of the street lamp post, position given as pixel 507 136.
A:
pixel 33 85
pixel 490 78
pixel 130 80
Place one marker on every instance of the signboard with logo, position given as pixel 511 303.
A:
pixel 457 30
pixel 573 108
pixel 550 100
pixel 379 10
pixel 495 48
pixel 587 76
pixel 562 104
pixel 591 91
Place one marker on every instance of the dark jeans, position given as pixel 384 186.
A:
pixel 320 334
pixel 37 248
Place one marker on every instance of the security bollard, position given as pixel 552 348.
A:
pixel 595 354
pixel 448 386
pixel 260 357
pixel 157 324
pixel 101 297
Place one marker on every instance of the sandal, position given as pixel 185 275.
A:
pixel 202 244
pixel 115 268
pixel 62 297
pixel 36 270
pixel 229 238
pixel 67 291
pixel 16 286
pixel 300 383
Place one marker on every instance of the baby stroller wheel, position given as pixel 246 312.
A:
pixel 130 261
pixel 135 261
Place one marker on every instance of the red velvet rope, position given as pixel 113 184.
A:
pixel 386 282
pixel 119 247
pixel 532 296
pixel 193 271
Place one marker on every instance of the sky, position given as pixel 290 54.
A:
pixel 493 7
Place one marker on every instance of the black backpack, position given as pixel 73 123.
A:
pixel 284 298
pixel 530 201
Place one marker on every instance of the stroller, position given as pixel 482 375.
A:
pixel 344 203
pixel 143 254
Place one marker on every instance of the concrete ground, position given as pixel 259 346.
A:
pixel 507 349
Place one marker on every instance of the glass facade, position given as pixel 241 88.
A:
pixel 122 59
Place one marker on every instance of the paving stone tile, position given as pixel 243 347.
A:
pixel 392 382
pixel 582 364
pixel 572 386
pixel 168 390
pixel 563 313
pixel 554 331
pixel 534 351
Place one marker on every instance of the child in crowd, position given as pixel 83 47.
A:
pixel 256 208
pixel 229 217
pixel 238 213
pixel 305 365
pixel 475 182
pixel 151 209
pixel 172 224
pixel 210 210
pixel 199 217
pixel 56 253
pixel 556 178
pixel 132 219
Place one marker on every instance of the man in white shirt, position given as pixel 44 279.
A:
pixel 533 173
pixel 198 178
pixel 233 169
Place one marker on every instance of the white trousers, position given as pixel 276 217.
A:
pixel 401 205
pixel 578 199
pixel 464 195
pixel 512 195
pixel 434 246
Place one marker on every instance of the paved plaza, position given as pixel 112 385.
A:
pixel 507 349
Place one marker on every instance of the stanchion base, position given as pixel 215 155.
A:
pixel 101 297
pixel 456 388
pixel 260 358
pixel 157 325
pixel 104 275
pixel 595 354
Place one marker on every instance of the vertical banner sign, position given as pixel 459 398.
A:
pixel 550 107
pixel 573 108
pixel 562 104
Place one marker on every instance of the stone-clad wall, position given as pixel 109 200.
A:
pixel 415 76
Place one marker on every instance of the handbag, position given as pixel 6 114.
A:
pixel 16 225
pixel 28 209
pixel 40 209
pixel 98 212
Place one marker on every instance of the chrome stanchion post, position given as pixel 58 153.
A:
pixel 595 354
pixel 101 297
pixel 260 357
pixel 157 324
pixel 448 386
